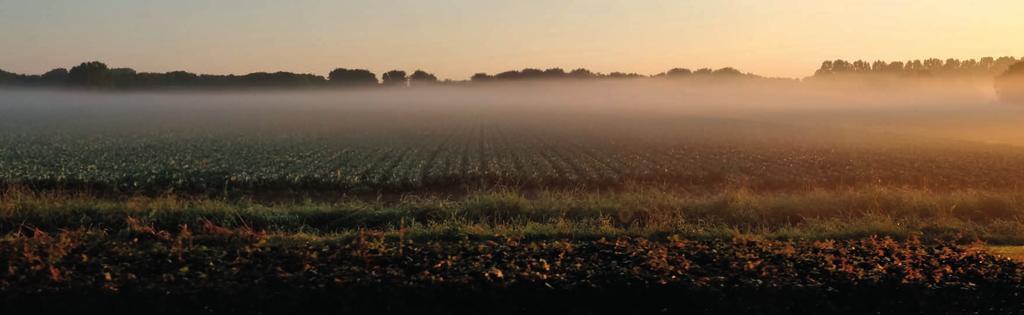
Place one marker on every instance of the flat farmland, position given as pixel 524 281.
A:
pixel 213 201
pixel 367 153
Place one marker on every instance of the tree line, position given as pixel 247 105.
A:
pixel 96 74
pixel 584 74
pixel 987 66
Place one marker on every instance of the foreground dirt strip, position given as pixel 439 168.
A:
pixel 220 270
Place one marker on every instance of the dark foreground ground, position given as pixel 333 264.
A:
pixel 211 269
pixel 873 250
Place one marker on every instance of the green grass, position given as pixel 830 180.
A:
pixel 968 215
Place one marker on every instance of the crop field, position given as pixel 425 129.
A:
pixel 511 157
pixel 198 205
pixel 425 155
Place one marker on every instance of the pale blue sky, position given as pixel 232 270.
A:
pixel 456 38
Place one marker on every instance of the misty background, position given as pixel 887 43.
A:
pixel 955 109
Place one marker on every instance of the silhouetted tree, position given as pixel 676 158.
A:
pixel 932 64
pixel 952 65
pixel 841 66
pixel 90 74
pixel 861 66
pixel 352 77
pixel 8 77
pixel 895 67
pixel 558 73
pixel 481 77
pixel 879 66
pixel 676 73
pixel 915 67
pixel 581 73
pixel 508 75
pixel 986 63
pixel 420 78
pixel 555 73
pixel 531 74
pixel 178 79
pixel 55 77
pixel 623 75
pixel 970 66
pixel 395 78
pixel 1002 64
pixel 123 77
pixel 728 71
pixel 280 79
pixel 825 69
pixel 1015 70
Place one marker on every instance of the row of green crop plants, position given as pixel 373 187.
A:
pixel 475 155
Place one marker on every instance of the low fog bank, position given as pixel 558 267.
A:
pixel 630 95
pixel 921 106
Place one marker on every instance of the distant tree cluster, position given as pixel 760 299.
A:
pixel 422 78
pixel 51 78
pixel 584 74
pixel 98 75
pixel 537 74
pixel 727 72
pixel 987 66
pixel 354 77
pixel 395 78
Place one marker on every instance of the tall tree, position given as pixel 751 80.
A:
pixel 421 78
pixel 826 68
pixel 395 78
pixel 481 77
pixel 352 77
pixel 728 71
pixel 676 73
pixel 895 67
pixel 90 74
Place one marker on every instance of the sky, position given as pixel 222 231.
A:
pixel 456 38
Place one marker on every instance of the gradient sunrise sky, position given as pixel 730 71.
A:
pixel 455 39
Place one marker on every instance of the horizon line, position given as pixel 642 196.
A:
pixel 566 69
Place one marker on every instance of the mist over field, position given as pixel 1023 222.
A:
pixel 957 109
pixel 704 135
pixel 511 157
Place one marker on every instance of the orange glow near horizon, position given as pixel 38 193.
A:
pixel 455 39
